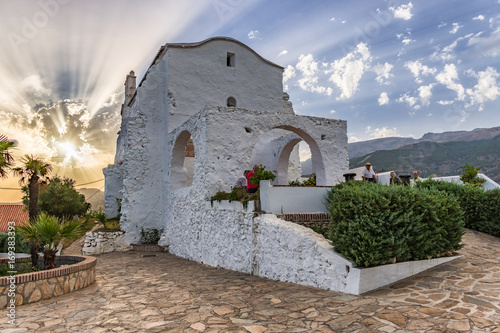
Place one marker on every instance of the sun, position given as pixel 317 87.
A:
pixel 69 150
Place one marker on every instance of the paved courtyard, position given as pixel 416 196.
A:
pixel 158 292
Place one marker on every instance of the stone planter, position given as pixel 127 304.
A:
pixel 31 287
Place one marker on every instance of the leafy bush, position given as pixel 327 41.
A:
pixel 150 236
pixel 480 207
pixel 236 194
pixel 469 176
pixel 373 224
pixel 20 245
pixel 311 181
pixel 59 198
pixel 262 174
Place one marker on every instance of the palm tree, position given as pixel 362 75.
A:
pixel 6 158
pixel 32 172
pixel 47 230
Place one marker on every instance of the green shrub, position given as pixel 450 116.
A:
pixel 20 245
pixel 150 236
pixel 480 206
pixel 262 174
pixel 373 224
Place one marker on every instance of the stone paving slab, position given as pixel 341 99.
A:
pixel 139 292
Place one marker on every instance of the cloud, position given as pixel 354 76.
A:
pixel 254 34
pixel 282 53
pixel 446 102
pixel 455 28
pixel 479 17
pixel 383 72
pixel 407 41
pixel 383 99
pixel 402 12
pixel 383 132
pixel 417 68
pixel 486 46
pixel 486 89
pixel 347 72
pixel 288 73
pixel 425 94
pixel 310 75
pixel 411 101
pixel 448 77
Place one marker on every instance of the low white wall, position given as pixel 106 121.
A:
pixel 292 200
pixel 227 235
pixel 489 184
pixel 98 242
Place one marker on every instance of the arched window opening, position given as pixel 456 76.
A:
pixel 231 102
pixel 183 155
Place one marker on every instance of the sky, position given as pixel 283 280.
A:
pixel 387 67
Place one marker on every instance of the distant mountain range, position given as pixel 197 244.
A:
pixel 362 148
pixel 93 196
pixel 440 154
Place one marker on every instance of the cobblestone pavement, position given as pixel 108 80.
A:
pixel 158 292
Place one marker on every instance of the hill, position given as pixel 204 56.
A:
pixel 438 158
pixel 358 149
pixel 93 196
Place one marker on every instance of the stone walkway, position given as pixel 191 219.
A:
pixel 158 292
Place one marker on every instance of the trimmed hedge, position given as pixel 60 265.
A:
pixel 373 224
pixel 481 207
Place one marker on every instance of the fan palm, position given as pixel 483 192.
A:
pixel 47 230
pixel 32 172
pixel 6 158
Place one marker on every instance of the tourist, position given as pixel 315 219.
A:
pixel 394 179
pixel 251 188
pixel 368 174
pixel 416 177
pixel 241 182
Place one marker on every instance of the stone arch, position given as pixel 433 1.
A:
pixel 318 165
pixel 181 174
pixel 280 163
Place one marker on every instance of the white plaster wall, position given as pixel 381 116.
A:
pixel 219 236
pixel 292 253
pixel 229 146
pixel 199 76
pixel 144 157
pixel 292 200
pixel 112 190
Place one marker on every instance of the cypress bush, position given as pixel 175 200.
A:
pixel 373 224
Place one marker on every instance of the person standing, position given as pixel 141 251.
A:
pixel 416 177
pixel 368 173
pixel 251 188
pixel 394 179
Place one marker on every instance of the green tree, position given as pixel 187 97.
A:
pixel 469 176
pixel 59 198
pixel 48 231
pixel 33 172
pixel 6 158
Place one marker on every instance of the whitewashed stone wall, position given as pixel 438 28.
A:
pixel 229 236
pixel 112 191
pixel 144 157
pixel 98 242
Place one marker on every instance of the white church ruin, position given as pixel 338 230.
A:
pixel 203 113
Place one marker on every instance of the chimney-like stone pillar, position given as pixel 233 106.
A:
pixel 130 86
